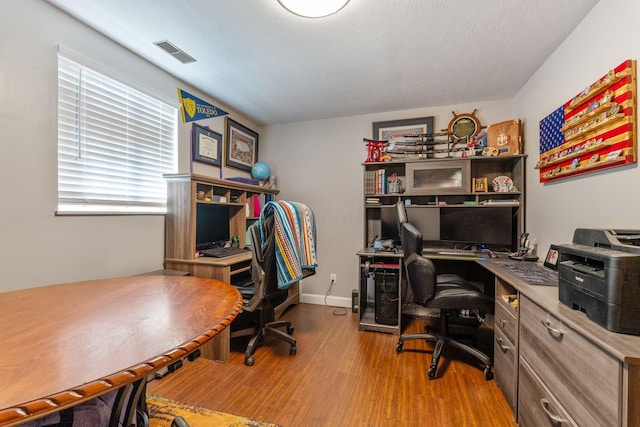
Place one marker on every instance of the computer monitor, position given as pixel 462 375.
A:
pixel 492 226
pixel 426 220
pixel 212 225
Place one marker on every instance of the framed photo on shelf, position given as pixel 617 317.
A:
pixel 241 146
pixel 480 185
pixel 206 145
pixel 551 260
pixel 383 131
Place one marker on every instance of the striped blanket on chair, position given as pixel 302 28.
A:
pixel 295 235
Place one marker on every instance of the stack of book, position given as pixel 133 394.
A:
pixel 372 200
pixel 375 181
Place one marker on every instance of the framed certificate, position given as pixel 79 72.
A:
pixel 206 145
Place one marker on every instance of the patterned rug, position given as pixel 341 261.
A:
pixel 162 412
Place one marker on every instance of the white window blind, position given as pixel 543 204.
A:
pixel 114 144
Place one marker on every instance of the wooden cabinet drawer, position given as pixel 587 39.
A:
pixel 537 406
pixel 580 375
pixel 507 322
pixel 504 364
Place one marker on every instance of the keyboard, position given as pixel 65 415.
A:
pixel 222 252
pixel 451 251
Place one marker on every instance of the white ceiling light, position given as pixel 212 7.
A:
pixel 313 9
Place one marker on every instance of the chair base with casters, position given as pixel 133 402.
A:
pixel 269 328
pixel 442 339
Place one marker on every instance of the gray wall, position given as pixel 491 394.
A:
pixel 37 247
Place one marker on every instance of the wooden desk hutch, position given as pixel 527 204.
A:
pixel 185 193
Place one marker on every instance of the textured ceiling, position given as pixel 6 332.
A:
pixel 373 56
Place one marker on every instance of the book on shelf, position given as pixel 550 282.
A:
pixel 375 181
pixel 256 206
pixel 244 180
pixel 500 202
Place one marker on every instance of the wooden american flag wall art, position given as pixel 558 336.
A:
pixel 593 131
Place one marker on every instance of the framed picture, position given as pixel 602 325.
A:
pixel 551 260
pixel 480 185
pixel 241 146
pixel 382 131
pixel 206 145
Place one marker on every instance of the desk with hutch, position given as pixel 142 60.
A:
pixel 186 193
pixel 437 192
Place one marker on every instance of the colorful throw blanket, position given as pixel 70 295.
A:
pixel 295 235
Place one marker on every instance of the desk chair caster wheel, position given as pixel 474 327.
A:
pixel 399 347
pixel 293 349
pixel 289 329
pixel 249 360
pixel 432 373
pixel 488 375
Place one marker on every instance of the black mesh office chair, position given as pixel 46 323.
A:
pixel 448 297
pixel 262 296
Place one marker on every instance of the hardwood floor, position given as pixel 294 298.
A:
pixel 341 377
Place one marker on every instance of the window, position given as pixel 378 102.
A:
pixel 114 144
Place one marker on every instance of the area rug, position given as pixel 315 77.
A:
pixel 162 412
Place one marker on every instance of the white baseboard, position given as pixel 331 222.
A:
pixel 330 300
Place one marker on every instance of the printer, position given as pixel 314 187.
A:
pixel 599 274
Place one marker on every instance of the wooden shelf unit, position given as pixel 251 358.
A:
pixel 182 202
pixel 423 201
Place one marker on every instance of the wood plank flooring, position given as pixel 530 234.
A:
pixel 341 377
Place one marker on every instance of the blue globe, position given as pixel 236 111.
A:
pixel 260 170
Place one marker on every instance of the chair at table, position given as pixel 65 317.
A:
pixel 450 297
pixel 270 288
pixel 124 407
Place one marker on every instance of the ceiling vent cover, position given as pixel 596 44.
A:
pixel 175 51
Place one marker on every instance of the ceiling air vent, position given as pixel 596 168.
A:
pixel 175 51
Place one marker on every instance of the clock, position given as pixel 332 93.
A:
pixel 464 125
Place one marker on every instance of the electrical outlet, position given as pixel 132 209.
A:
pixel 332 277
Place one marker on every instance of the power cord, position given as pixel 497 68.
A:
pixel 339 311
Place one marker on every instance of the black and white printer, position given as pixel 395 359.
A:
pixel 599 274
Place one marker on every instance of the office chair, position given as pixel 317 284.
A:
pixel 412 246
pixel 261 298
pixel 449 297
pixel 402 215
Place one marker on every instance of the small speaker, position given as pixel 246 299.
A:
pixel 354 301
pixel 386 309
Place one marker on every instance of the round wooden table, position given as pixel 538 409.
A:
pixel 65 344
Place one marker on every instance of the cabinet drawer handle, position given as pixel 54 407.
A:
pixel 502 345
pixel 544 403
pixel 547 325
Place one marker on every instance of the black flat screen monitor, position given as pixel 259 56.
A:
pixel 426 220
pixel 212 225
pixel 492 226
